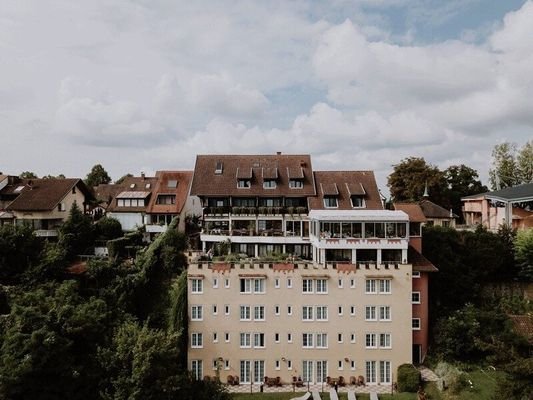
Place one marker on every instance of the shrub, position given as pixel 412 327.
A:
pixel 408 378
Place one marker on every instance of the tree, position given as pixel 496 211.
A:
pixel 517 382
pixel 511 166
pixel 524 162
pixel 97 176
pixel 19 251
pixel 49 176
pixel 462 181
pixel 524 253
pixel 76 235
pixel 409 178
pixel 108 228
pixel 28 175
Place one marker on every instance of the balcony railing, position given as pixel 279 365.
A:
pixel 250 232
pixel 262 210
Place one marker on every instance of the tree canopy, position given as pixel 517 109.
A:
pixel 28 175
pixel 97 176
pixel 511 165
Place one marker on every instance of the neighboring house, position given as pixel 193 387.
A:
pixel 493 209
pixel 353 302
pixel 421 270
pixel 131 200
pixel 170 199
pixel 259 203
pixel 44 203
pixel 151 202
pixel 437 215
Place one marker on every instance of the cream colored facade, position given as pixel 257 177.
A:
pixel 47 222
pixel 300 320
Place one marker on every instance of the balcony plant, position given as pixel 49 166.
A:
pixel 300 210
pixel 262 210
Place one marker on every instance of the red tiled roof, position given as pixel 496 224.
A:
pixel 181 191
pixel 523 325
pixel 413 210
pixel 343 180
pixel 208 183
pixel 432 210
pixel 44 194
pixel 132 184
pixel 329 189
pixel 419 262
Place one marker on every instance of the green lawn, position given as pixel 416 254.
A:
pixel 484 385
pixel 325 396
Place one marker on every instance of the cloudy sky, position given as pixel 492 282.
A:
pixel 142 85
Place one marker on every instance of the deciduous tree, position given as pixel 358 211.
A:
pixel 97 176
pixel 409 178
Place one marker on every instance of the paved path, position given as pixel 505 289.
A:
pixel 301 390
pixel 427 374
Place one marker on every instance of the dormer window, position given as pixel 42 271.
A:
pixel 269 184
pixel 296 184
pixel 219 167
pixel 132 186
pixel 172 184
pixel 357 201
pixel 244 183
pixel 331 202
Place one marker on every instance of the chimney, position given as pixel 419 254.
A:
pixel 142 175
pixel 278 153
pixel 30 184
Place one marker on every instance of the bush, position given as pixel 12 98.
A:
pixel 408 378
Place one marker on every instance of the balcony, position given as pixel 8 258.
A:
pixel 46 232
pixel 156 228
pixel 246 211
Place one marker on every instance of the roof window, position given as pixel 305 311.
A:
pixel 172 183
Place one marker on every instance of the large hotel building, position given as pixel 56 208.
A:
pixel 350 301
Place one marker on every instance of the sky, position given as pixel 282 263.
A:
pixel 145 85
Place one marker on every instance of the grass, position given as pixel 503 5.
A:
pixel 483 387
pixel 325 396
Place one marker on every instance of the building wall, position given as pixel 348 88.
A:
pixel 193 206
pixel 129 221
pixel 422 311
pixel 67 201
pixel 346 297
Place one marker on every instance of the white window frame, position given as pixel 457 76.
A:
pixel 245 340
pixel 340 338
pixel 245 313
pixel 321 286
pixel 197 369
pixel 197 313
pixel 258 338
pixel 215 283
pixel 307 313
pixel 415 297
pixel 371 313
pixel 340 310
pixel 197 286
pixel 321 341
pixel 385 341
pixel 215 337
pixel 352 283
pixel 227 283
pixel 416 274
pixel 289 309
pixel 385 286
pixel 276 337
pixel 307 340
pixel 371 286
pixel 371 341
pixel 340 283
pixel 385 313
pixel 226 309
pixel 276 310
pixel 352 310
pixel 259 313
pixel 289 337
pixel 214 309
pixel 289 283
pixel 321 313
pixel 227 337
pixel 307 286
pixel 277 283
pixel 416 324
pixel 197 340
pixel 353 337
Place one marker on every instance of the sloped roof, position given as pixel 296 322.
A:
pixel 413 210
pixel 343 180
pixel 523 325
pixel 208 183
pixel 132 184
pixel 514 194
pixel 432 210
pixel 44 194
pixel 419 262
pixel 181 191
pixel 106 192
